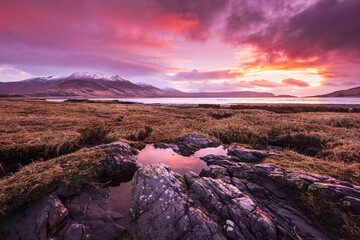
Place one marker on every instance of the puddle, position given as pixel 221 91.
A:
pixel 120 196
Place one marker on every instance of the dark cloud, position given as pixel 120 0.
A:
pixel 330 25
pixel 300 31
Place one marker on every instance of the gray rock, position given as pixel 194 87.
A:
pixel 91 209
pixel 189 144
pixel 213 206
pixel 74 232
pixel 160 208
pixel 167 145
pixel 214 171
pixel 247 155
pixel 41 221
pixel 121 161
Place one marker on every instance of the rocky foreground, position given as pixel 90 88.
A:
pixel 233 198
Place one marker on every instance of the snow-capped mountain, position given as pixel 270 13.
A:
pixel 78 84
pixel 88 85
pixel 87 75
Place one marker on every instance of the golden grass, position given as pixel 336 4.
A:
pixel 35 180
pixel 33 129
pixel 53 129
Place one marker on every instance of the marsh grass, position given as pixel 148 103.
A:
pixel 32 182
pixel 39 130
pixel 33 129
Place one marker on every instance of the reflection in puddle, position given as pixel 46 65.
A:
pixel 120 196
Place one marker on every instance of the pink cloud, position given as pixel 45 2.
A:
pixel 209 75
pixel 295 82
pixel 135 37
pixel 259 83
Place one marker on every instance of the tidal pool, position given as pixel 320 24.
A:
pixel 120 196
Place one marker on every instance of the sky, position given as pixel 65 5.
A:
pixel 297 47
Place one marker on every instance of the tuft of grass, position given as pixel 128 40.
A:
pixel 79 169
pixel 239 134
pixel 18 148
pixel 141 135
pixel 95 134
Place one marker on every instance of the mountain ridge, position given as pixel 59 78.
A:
pixel 99 85
pixel 351 92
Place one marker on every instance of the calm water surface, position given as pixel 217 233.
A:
pixel 120 196
pixel 347 101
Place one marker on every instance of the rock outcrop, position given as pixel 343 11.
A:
pixel 120 162
pixel 232 198
pixel 39 222
pixel 78 214
pixel 213 206
pixel 189 144
pixel 242 154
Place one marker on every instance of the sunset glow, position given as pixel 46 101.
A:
pixel 285 47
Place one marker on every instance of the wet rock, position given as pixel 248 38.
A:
pixel 41 221
pixel 189 144
pixel 85 215
pixel 214 206
pixel 91 209
pixel 247 155
pixel 120 162
pixel 167 145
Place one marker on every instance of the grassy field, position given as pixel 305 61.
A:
pixel 34 131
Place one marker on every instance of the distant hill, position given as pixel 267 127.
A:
pixel 352 92
pixel 88 85
pixel 79 85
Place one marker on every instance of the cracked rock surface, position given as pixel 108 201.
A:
pixel 232 198
pixel 214 206
pixel 246 155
